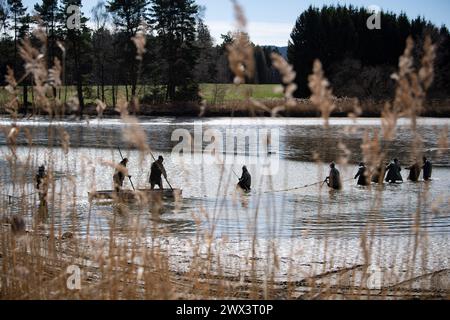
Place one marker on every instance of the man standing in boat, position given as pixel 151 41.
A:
pixel 156 171
pixel 119 175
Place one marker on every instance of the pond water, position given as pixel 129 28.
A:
pixel 280 208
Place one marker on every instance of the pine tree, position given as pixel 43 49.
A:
pixel 128 16
pixel 77 41
pixel 24 32
pixel 4 12
pixel 48 14
pixel 338 36
pixel 19 26
pixel 17 11
pixel 102 47
pixel 205 70
pixel 175 24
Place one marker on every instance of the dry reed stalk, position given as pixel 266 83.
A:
pixel 100 108
pixel 443 141
pixel 140 41
pixel 322 96
pixel 345 154
pixel 389 119
pixel 44 80
pixel 373 156
pixel 12 106
pixel 240 51
pixel 135 135
pixel 288 77
pixel 412 85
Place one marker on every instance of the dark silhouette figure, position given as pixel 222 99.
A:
pixel 334 179
pixel 119 175
pixel 361 175
pixel 427 169
pixel 245 182
pixel 414 172
pixel 40 177
pixel 393 172
pixel 156 171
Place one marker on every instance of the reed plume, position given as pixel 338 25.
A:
pixel 322 95
pixel 240 51
pixel 288 78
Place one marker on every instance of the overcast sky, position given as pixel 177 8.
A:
pixel 271 22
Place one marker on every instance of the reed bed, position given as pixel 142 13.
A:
pixel 140 263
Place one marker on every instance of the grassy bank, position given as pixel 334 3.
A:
pixel 212 93
pixel 221 100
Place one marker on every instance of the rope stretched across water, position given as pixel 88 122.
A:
pixel 302 187
pixel 10 197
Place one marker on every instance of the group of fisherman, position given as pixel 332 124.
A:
pixel 157 171
pixel 393 174
pixel 334 181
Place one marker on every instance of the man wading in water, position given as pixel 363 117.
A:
pixel 414 172
pixel 245 182
pixel 427 169
pixel 361 175
pixel 393 172
pixel 156 171
pixel 334 179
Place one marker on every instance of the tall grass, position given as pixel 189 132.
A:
pixel 34 257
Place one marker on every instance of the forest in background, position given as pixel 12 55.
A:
pixel 99 58
pixel 359 61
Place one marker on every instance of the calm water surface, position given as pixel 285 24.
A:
pixel 210 202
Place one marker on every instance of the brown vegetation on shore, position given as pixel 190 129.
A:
pixel 345 107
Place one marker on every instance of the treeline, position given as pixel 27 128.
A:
pixel 100 55
pixel 359 61
pixel 105 55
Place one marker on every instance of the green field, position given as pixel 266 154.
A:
pixel 229 92
pixel 212 93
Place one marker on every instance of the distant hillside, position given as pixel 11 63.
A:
pixel 282 50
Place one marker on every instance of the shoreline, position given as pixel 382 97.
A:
pixel 345 107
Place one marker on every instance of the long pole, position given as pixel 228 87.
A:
pixel 132 185
pixel 235 173
pixel 165 178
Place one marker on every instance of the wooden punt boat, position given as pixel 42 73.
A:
pixel 134 196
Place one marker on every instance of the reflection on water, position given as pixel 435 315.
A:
pixel 300 138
